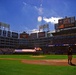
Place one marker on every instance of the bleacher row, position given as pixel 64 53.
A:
pixel 6 50
pixel 64 40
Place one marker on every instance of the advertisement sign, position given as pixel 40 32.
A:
pixel 61 26
pixel 67 21
pixel 24 35
pixel 33 35
pixel 69 25
pixel 41 34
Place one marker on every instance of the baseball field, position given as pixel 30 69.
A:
pixel 36 65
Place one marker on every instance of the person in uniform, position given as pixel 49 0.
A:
pixel 69 55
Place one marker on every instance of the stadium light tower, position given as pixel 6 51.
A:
pixel 4 26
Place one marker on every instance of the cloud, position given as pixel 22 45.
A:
pixel 39 9
pixel 24 3
pixel 27 7
pixel 66 5
pixel 35 31
pixel 52 19
pixel 30 5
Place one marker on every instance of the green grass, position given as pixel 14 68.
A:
pixel 15 67
pixel 29 57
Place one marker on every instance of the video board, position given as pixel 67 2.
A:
pixel 65 23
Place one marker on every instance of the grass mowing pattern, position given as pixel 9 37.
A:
pixel 15 67
pixel 31 58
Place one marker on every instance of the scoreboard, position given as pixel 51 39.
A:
pixel 67 22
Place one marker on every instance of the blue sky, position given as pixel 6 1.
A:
pixel 22 15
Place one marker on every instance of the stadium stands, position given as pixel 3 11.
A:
pixel 55 44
